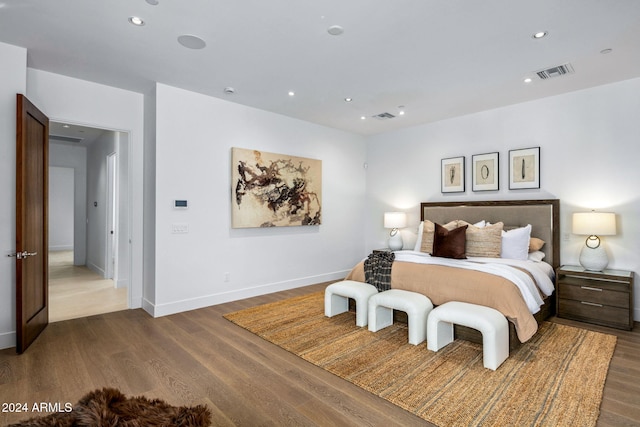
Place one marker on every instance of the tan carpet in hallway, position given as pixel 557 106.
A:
pixel 76 291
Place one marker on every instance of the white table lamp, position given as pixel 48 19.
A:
pixel 394 221
pixel 593 256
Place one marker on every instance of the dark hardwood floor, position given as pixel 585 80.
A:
pixel 198 357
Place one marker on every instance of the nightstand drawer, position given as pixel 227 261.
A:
pixel 591 292
pixel 596 313
pixel 609 285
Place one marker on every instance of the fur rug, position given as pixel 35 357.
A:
pixel 109 408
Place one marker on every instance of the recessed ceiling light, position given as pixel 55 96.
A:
pixel 347 99
pixel 191 41
pixel 528 80
pixel 137 21
pixel 153 2
pixel 229 90
pixel 363 117
pixel 335 30
pixel 292 93
pixel 605 51
pixel 540 34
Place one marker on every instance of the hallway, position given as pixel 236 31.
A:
pixel 76 291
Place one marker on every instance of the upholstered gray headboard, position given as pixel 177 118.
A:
pixel 543 215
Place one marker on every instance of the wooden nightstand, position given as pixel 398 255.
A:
pixel 600 297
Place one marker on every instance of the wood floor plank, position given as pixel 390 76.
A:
pixel 198 357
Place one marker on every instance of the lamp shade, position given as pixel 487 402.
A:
pixel 594 223
pixel 395 220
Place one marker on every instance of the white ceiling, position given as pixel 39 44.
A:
pixel 74 135
pixel 437 58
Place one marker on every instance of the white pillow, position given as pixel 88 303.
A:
pixel 536 256
pixel 515 243
pixel 418 245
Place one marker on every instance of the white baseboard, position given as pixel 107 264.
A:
pixel 147 306
pixel 7 340
pixel 159 310
pixel 91 266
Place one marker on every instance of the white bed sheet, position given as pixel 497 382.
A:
pixel 509 269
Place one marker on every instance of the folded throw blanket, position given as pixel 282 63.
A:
pixel 377 269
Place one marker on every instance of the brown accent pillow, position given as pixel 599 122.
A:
pixel 483 241
pixel 449 243
pixel 535 244
pixel 428 229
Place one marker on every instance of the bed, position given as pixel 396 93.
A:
pixel 485 280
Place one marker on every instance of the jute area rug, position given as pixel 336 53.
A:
pixel 108 407
pixel 555 379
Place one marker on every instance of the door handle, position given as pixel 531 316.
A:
pixel 23 254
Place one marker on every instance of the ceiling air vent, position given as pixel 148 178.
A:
pixel 557 71
pixel 383 116
pixel 60 138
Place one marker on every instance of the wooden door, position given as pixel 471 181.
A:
pixel 32 175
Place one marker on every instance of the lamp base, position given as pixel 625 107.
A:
pixel 594 259
pixel 395 241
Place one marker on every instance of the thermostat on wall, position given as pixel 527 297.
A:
pixel 180 204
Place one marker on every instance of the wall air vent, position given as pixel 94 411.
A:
pixel 383 116
pixel 60 138
pixel 557 71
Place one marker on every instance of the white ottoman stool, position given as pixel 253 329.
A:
pixel 492 324
pixel 417 307
pixel 336 299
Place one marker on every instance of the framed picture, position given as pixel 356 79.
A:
pixel 524 168
pixel 274 190
pixel 452 175
pixel 485 172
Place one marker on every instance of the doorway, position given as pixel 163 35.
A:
pixel 86 277
pixel 111 262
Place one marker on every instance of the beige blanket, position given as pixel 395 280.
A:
pixel 443 284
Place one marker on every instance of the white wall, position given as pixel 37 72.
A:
pixel 149 259
pixel 194 137
pixel 97 200
pixel 74 101
pixel 123 229
pixel 61 212
pixel 589 150
pixel 75 158
pixel 13 68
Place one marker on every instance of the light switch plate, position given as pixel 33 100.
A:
pixel 179 228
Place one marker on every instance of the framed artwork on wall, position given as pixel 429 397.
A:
pixel 524 168
pixel 274 190
pixel 485 172
pixel 452 170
